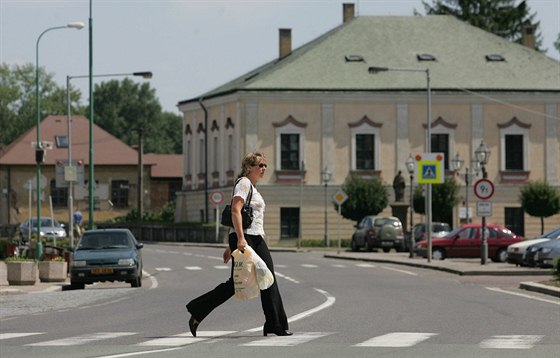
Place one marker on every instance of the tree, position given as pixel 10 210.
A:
pixel 17 99
pixel 557 43
pixel 365 197
pixel 540 199
pixel 126 108
pixel 500 17
pixel 444 199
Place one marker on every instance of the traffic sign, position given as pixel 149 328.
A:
pixel 340 197
pixel 216 197
pixel 484 189
pixel 430 168
pixel 484 208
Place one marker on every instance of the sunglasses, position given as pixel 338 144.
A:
pixel 262 165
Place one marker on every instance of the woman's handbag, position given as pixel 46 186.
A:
pixel 246 211
pixel 244 275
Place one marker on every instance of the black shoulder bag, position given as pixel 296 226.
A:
pixel 246 211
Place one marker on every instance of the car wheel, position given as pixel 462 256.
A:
pixel 77 285
pixel 438 254
pixel 137 282
pixel 386 249
pixel 501 256
pixel 368 247
pixel 353 246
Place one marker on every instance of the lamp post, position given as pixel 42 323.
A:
pixel 410 168
pixel 482 153
pixel 326 176
pixel 39 151
pixel 374 70
pixel 91 183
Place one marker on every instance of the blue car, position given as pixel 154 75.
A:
pixel 106 255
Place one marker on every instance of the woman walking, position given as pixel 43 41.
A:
pixel 253 168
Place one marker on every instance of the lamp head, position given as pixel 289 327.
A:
pixel 144 74
pixel 375 69
pixel 457 162
pixel 410 164
pixel 482 153
pixel 76 25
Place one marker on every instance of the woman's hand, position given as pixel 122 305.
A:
pixel 241 244
pixel 227 255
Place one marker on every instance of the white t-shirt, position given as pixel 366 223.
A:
pixel 257 203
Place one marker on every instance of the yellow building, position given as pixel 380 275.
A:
pixel 330 106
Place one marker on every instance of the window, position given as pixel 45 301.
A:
pixel 59 195
pixel 514 220
pixel 230 152
pixel 289 223
pixel 172 189
pixel 201 156
pixel 365 152
pixel 61 141
pixel 440 144
pixel 119 193
pixel 289 152
pixel 216 154
pixel 514 152
pixel 364 144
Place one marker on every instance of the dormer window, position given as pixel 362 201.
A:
pixel 61 141
pixel 425 57
pixel 354 58
pixel 495 58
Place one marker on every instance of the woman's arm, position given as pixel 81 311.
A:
pixel 237 220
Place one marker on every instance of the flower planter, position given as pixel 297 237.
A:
pixel 53 271
pixel 21 273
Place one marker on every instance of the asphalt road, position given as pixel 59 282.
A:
pixel 337 309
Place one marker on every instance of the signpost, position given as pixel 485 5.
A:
pixel 217 197
pixel 484 189
pixel 339 198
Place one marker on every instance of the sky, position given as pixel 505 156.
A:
pixel 191 46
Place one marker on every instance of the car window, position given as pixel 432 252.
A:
pixel 467 233
pixel 441 227
pixel 395 223
pixel 105 241
pixel 492 234
pixel 379 222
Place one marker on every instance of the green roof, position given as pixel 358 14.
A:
pixel 460 52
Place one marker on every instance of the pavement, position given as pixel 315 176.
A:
pixel 463 267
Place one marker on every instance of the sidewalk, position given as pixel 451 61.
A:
pixel 38 287
pixel 463 267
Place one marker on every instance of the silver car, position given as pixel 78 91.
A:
pixel 50 228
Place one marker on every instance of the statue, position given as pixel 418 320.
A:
pixel 398 186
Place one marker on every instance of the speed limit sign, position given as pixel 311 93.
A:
pixel 484 189
pixel 217 197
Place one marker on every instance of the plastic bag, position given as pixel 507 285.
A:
pixel 265 279
pixel 244 275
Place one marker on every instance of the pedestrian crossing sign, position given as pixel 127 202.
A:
pixel 430 168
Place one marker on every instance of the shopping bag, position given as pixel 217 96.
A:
pixel 244 275
pixel 265 279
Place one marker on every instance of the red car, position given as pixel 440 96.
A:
pixel 466 241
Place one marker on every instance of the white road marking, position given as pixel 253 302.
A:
pixel 280 266
pixel 338 266
pixel 278 274
pixel 397 339
pixel 187 254
pixel 222 267
pixel 496 289
pixel 193 268
pixel 286 341
pixel 365 265
pixel 153 280
pixel 309 266
pixel 74 341
pixel 511 342
pixel 401 271
pixel 163 269
pixel 184 339
pixel 215 258
pixel 18 335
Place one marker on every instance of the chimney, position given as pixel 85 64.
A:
pixel 285 42
pixel 347 12
pixel 528 35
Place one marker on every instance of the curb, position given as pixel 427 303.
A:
pixel 540 288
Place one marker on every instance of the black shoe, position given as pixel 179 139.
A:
pixel 278 332
pixel 193 326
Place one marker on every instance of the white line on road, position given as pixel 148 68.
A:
pixel 73 341
pixel 153 280
pixel 193 268
pixel 18 335
pixel 496 289
pixel 397 339
pixel 287 341
pixel 511 342
pixel 401 271
pixel 163 269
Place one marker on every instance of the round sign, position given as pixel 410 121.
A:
pixel 217 197
pixel 483 189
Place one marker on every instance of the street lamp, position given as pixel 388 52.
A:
pixel 374 70
pixel 91 184
pixel 482 153
pixel 410 164
pixel 326 176
pixel 39 151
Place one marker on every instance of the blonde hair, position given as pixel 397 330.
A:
pixel 250 160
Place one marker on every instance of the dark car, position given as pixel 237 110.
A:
pixel 385 232
pixel 466 241
pixel 107 255
pixel 543 254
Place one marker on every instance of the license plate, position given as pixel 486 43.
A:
pixel 387 243
pixel 101 271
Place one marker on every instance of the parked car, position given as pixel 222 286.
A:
pixel 517 252
pixel 419 232
pixel 543 253
pixel 385 232
pixel 106 255
pixel 49 228
pixel 466 241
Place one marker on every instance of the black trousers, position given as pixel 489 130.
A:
pixel 275 316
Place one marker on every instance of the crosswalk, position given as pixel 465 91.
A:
pixel 248 339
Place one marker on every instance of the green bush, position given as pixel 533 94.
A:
pixel 4 247
pixel 556 270
pixel 18 259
